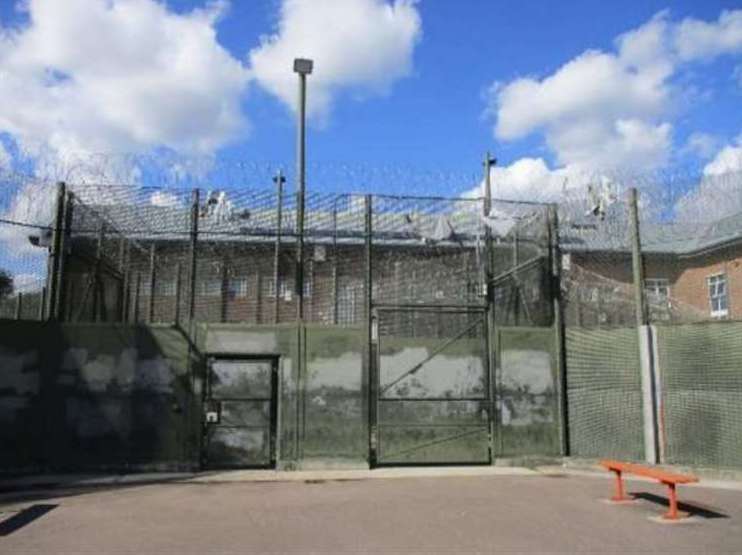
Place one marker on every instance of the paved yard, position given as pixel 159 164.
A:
pixel 407 515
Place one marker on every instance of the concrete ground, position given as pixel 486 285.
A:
pixel 407 511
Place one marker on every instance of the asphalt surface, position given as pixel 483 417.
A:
pixel 480 514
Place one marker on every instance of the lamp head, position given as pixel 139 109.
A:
pixel 303 66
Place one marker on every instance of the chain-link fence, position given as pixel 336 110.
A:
pixel 478 329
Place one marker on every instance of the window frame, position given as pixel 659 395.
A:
pixel 722 312
pixel 653 284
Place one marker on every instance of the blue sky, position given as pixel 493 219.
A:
pixel 429 105
pixel 435 118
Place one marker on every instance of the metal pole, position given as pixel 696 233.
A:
pixel 650 401
pixel 369 381
pixel 302 67
pixel 335 263
pixel 279 180
pixel 96 274
pixel 55 254
pixel 137 291
pixel 490 329
pixel 152 277
pixel 636 258
pixel 559 330
pixel 193 253
pixel 300 195
pixel 65 235
pixel 126 283
pixel 176 317
pixel 516 281
pixel 41 303
pixel 224 290
pixel 18 305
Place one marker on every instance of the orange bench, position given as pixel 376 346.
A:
pixel 670 479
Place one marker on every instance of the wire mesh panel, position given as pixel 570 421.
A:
pixel 26 225
pixel 597 277
pixel 427 251
pixel 604 395
pixel 520 263
pixel 433 400
pixel 701 371
pixel 22 271
pixel 334 259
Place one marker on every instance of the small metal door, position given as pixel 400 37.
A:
pixel 241 412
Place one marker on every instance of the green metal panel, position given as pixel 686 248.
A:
pixel 701 371
pixel 526 392
pixel 604 393
pixel 335 424
pixel 433 388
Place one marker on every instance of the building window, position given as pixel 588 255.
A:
pixel 165 288
pixel 286 288
pixel 237 288
pixel 718 295
pixel 657 290
pixel 349 302
pixel 210 288
pixel 144 287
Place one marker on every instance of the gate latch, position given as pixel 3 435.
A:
pixel 213 412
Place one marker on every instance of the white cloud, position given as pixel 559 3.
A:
pixel 703 145
pixel 612 109
pixel 728 159
pixel 695 39
pixel 364 45
pixel 118 76
pixel 532 179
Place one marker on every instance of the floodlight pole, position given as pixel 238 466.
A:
pixel 302 67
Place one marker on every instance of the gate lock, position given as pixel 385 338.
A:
pixel 213 412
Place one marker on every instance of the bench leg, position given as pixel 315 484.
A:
pixel 619 488
pixel 672 513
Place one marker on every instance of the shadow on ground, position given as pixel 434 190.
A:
pixel 695 509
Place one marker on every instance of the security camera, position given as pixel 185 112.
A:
pixel 42 239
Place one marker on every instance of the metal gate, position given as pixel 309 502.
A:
pixel 433 397
pixel 241 412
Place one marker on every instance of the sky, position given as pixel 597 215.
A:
pixel 553 89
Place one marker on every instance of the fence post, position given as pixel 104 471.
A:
pixel 97 286
pixel 335 263
pixel 192 262
pixel 125 283
pixel 491 339
pixel 177 294
pixel 559 330
pixel 152 277
pixel 137 290
pixel 636 259
pixel 55 254
pixel 42 300
pixel 646 353
pixel 279 180
pixel 18 305
pixel 369 382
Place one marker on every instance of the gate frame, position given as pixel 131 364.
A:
pixel 375 375
pixel 273 436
